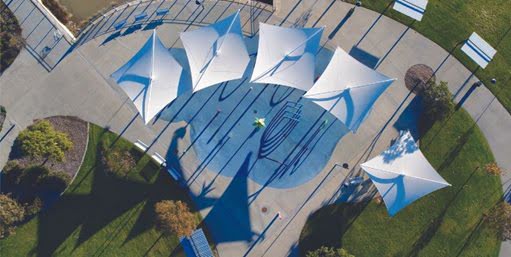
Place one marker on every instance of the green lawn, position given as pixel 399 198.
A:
pixel 100 215
pixel 449 22
pixel 444 223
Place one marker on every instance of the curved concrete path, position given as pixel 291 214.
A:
pixel 79 86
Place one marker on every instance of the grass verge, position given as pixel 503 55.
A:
pixel 448 222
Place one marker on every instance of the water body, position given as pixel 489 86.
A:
pixel 83 9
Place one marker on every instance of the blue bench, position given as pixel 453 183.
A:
pixel 162 12
pixel 140 17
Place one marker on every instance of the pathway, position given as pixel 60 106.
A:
pixel 80 86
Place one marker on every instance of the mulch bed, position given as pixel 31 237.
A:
pixel 418 77
pixel 78 132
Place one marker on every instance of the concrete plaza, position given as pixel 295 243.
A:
pixel 208 138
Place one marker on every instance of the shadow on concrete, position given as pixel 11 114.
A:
pixel 410 117
pixel 364 57
pixel 229 220
pixel 467 95
pixel 111 37
pixel 342 22
pixel 374 23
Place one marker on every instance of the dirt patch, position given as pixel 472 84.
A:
pixel 77 130
pixel 418 77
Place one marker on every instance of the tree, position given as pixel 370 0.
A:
pixel 174 217
pixel 41 140
pixel 499 218
pixel 437 101
pixel 118 161
pixel 11 213
pixel 324 251
pixel 53 181
pixel 493 169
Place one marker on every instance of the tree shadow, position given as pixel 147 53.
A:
pixel 108 202
pixel 332 222
pixel 410 118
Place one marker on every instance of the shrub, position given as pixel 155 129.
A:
pixel 493 169
pixel 54 181
pixel 437 101
pixel 174 217
pixel 499 217
pixel 37 179
pixel 34 207
pixel 11 213
pixel 329 252
pixel 12 172
pixel 41 140
pixel 29 181
pixel 118 161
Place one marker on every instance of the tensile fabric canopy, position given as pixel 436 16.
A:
pixel 402 174
pixel 286 56
pixel 216 53
pixel 150 78
pixel 348 89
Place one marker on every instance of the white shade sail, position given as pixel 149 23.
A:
pixel 412 8
pixel 348 89
pixel 286 56
pixel 150 78
pixel 402 174
pixel 479 50
pixel 216 53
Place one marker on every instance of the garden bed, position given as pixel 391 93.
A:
pixel 77 131
pixel 10 37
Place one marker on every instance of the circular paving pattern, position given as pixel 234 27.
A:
pixel 418 77
pixel 292 149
